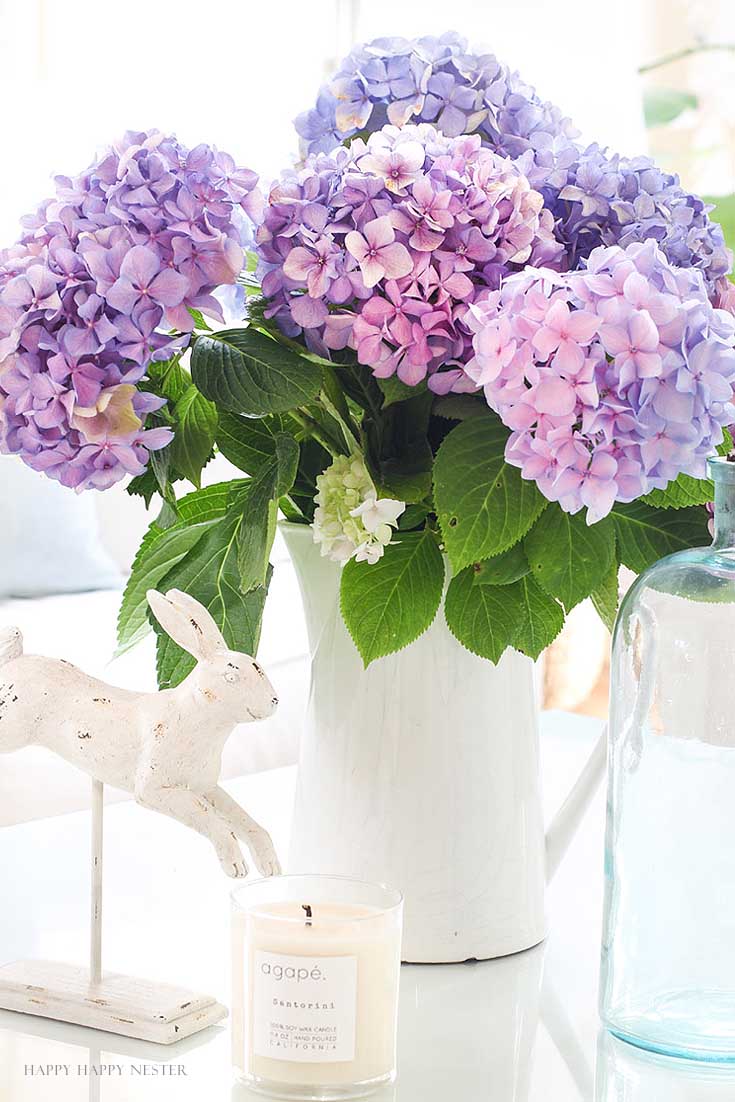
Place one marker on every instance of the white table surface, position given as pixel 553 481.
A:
pixel 520 1029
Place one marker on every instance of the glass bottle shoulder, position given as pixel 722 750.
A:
pixel 700 574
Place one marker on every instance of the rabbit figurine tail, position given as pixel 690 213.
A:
pixel 11 645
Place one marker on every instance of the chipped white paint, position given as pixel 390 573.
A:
pixel 118 1004
pixel 166 747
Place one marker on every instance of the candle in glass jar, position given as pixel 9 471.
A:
pixel 316 963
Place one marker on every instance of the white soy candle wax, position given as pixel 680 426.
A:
pixel 315 966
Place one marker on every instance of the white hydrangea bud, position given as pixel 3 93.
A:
pixel 350 520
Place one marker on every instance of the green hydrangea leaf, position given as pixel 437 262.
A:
pixel 200 322
pixel 487 619
pixel 388 604
pixel 400 450
pixel 248 442
pixel 644 535
pixel 152 562
pixel 211 502
pixel 162 548
pixel 168 378
pixel 256 533
pixel 483 618
pixel 313 461
pixel 605 596
pixel 408 478
pixel 503 569
pixel 483 504
pixel 244 371
pixel 196 424
pixel 682 491
pixel 144 485
pixel 394 390
pixel 413 516
pixel 209 572
pixel 540 620
pixel 569 557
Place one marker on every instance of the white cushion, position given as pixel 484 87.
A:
pixel 49 542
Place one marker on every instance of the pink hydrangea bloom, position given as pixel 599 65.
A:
pixel 378 253
pixel 385 246
pixel 614 379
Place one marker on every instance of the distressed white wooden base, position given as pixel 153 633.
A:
pixel 118 1004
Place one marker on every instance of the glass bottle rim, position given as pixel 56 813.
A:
pixel 721 469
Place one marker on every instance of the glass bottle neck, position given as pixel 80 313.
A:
pixel 724 539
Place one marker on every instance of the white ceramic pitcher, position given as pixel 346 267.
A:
pixel 422 772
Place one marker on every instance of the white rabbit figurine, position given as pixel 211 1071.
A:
pixel 164 747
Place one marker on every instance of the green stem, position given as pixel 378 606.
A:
pixel 687 51
pixel 317 432
pixel 335 403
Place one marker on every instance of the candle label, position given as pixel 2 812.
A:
pixel 304 1007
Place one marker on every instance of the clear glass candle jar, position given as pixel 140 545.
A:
pixel 315 966
pixel 668 954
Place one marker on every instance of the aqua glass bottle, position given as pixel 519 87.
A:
pixel 668 953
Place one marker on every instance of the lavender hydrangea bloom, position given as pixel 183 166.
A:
pixel 614 379
pixel 382 248
pixel 612 200
pixel 597 198
pixel 439 80
pixel 99 286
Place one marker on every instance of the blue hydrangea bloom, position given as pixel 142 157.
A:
pixel 613 200
pixel 439 80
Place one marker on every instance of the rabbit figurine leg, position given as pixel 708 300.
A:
pixel 256 837
pixel 197 812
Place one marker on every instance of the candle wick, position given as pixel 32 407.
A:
pixel 307 907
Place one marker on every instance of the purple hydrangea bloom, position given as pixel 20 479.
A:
pixel 438 80
pixel 614 379
pixel 597 198
pixel 612 200
pixel 382 248
pixel 99 286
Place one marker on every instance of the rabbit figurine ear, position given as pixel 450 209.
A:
pixel 187 622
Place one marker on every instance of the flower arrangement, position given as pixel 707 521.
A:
pixel 470 347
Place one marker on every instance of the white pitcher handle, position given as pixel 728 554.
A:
pixel 569 816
